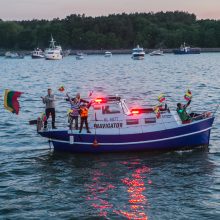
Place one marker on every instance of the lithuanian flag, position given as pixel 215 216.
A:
pixel 61 89
pixel 161 97
pixel 157 111
pixel 188 95
pixel 11 101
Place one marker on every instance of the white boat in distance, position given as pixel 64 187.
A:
pixel 156 53
pixel 66 53
pixel 138 53
pixel 79 56
pixel 108 54
pixel 37 54
pixel 53 52
pixel 13 55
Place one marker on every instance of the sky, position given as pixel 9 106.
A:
pixel 49 9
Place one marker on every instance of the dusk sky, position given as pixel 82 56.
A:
pixel 48 9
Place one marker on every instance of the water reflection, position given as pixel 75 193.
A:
pixel 98 192
pixel 104 186
pixel 136 189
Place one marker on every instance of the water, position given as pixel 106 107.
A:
pixel 37 183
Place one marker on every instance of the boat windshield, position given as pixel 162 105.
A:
pixel 111 109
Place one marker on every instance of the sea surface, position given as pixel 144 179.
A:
pixel 38 183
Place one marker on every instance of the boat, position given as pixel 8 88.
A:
pixel 53 52
pixel 156 53
pixel 116 128
pixel 138 53
pixel 79 56
pixel 108 54
pixel 37 54
pixel 66 53
pixel 13 55
pixel 187 50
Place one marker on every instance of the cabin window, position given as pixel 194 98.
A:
pixel 110 109
pixel 132 121
pixel 150 120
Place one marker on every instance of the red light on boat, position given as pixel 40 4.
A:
pixel 99 100
pixel 135 112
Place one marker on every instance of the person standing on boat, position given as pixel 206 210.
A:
pixel 84 111
pixel 75 104
pixel 78 99
pixel 74 113
pixel 49 101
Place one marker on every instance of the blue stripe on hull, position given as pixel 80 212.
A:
pixel 190 142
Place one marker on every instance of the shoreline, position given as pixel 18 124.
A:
pixel 114 51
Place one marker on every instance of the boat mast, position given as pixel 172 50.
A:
pixel 52 42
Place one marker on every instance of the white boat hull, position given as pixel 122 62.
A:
pixel 138 57
pixel 53 56
pixel 37 56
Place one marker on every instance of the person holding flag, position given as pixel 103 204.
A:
pixel 181 109
pixel 75 103
pixel 74 112
pixel 184 116
pixel 49 101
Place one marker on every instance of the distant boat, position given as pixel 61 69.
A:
pixel 108 54
pixel 138 53
pixel 156 53
pixel 187 50
pixel 79 56
pixel 13 55
pixel 66 53
pixel 37 54
pixel 53 52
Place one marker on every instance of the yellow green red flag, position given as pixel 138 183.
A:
pixel 188 95
pixel 161 97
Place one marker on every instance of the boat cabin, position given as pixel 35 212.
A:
pixel 112 115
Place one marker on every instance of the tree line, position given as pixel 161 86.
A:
pixel 116 31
